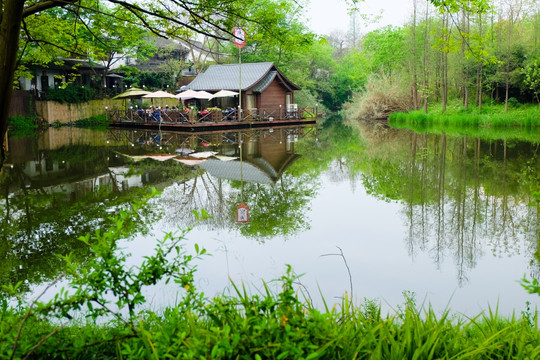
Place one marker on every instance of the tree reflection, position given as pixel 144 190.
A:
pixel 275 210
pixel 46 208
pixel 460 194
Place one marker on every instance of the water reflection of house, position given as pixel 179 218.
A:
pixel 263 158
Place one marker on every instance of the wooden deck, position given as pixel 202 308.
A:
pixel 211 126
pixel 213 120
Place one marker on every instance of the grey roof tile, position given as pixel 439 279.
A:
pixel 263 84
pixel 226 77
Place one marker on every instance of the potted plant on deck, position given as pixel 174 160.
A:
pixel 215 114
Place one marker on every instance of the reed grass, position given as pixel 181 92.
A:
pixel 284 325
pixel 492 116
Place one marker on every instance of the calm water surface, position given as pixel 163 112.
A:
pixel 444 217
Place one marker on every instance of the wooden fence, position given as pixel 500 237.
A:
pixel 193 116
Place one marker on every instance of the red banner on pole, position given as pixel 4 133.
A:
pixel 239 37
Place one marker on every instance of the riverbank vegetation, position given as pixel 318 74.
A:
pixel 23 125
pixel 468 52
pixel 277 322
pixel 494 116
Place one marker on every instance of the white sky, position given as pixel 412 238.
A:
pixel 327 16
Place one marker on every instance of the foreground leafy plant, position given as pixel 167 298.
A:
pixel 105 288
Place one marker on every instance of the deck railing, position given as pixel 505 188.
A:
pixel 193 116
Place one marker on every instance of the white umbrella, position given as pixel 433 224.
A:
pixel 224 93
pixel 161 157
pixel 204 95
pixel 159 94
pixel 188 94
pixel 192 94
pixel 203 154
pixel 190 161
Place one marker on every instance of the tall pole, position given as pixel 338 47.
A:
pixel 239 42
pixel 241 118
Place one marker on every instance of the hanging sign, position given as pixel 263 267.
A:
pixel 242 213
pixel 239 37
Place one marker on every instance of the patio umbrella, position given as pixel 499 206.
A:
pixel 190 161
pixel 203 95
pixel 161 157
pixel 133 93
pixel 159 94
pixel 187 94
pixel 192 94
pixel 224 93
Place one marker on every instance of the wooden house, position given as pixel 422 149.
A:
pixel 263 87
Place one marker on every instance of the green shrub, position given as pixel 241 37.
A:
pixel 71 94
pixel 23 125
pixel 513 102
pixel 20 122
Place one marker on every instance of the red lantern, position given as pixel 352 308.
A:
pixel 242 213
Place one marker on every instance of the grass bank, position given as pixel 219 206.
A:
pixel 494 116
pixel 276 326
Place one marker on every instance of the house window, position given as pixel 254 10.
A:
pixel 44 82
pixel 288 99
pixel 250 101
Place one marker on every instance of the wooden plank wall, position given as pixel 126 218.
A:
pixel 22 104
pixel 272 96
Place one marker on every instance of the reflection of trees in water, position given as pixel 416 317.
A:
pixel 275 209
pixel 200 192
pixel 41 222
pixel 460 195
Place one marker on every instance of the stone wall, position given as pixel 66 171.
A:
pixel 53 111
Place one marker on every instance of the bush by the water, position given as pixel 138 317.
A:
pixel 94 121
pixel 381 97
pixel 23 125
pixel 71 94
pixel 21 122
pixel 279 322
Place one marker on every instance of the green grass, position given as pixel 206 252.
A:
pixel 491 122
pixel 280 325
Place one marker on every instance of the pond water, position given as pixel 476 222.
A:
pixel 370 210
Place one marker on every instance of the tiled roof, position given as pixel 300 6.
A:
pixel 226 77
pixel 237 170
pixel 265 82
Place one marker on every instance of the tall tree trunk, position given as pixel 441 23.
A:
pixel 444 61
pixel 466 23
pixel 507 82
pixel 480 67
pixel 10 24
pixel 427 47
pixel 479 70
pixel 414 67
